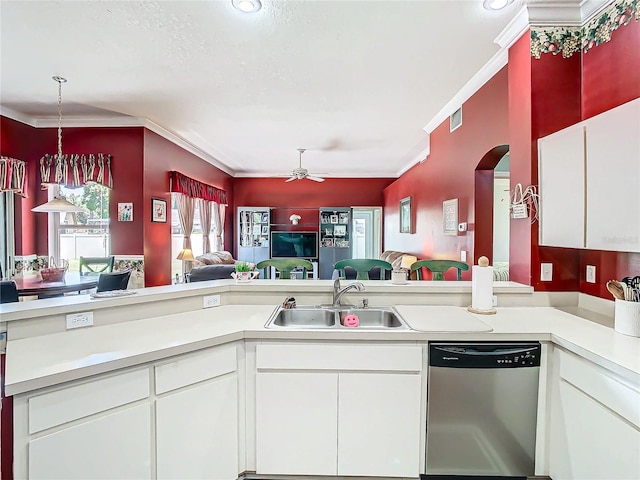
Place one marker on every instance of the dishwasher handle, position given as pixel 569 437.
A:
pixel 484 355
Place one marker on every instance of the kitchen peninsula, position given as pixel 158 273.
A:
pixel 157 373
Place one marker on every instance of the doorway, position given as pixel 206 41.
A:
pixel 367 232
pixel 491 207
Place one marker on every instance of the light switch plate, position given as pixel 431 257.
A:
pixel 78 320
pixel 463 255
pixel 546 272
pixel 591 274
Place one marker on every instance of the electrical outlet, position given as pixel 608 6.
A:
pixel 494 300
pixel 463 255
pixel 78 320
pixel 591 274
pixel 546 272
pixel 211 301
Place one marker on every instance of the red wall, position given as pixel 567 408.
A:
pixel 564 91
pixel 449 172
pixel 307 195
pixel 16 141
pixel 610 77
pixel 160 157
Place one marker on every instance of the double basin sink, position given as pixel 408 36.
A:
pixel 333 317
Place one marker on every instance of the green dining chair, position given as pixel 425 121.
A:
pixel 92 265
pixel 362 266
pixel 438 267
pixel 285 266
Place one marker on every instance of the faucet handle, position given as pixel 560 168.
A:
pixel 365 303
pixel 289 303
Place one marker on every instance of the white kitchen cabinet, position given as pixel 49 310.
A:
pixel 613 179
pixel 338 410
pixel 379 424
pixel 589 179
pixel 197 415
pixel 197 431
pixel 594 428
pixel 561 175
pixel 116 445
pixel 296 426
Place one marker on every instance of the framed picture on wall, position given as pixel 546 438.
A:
pixel 158 210
pixel 405 215
pixel 125 212
pixel 450 217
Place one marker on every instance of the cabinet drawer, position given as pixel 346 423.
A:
pixel 603 386
pixel 194 368
pixel 62 406
pixel 406 358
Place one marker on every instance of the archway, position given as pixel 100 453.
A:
pixel 483 202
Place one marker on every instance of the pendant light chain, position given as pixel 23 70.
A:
pixel 60 81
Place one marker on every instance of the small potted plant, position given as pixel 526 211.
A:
pixel 243 272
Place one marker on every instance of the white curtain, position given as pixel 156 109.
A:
pixel 186 211
pixel 205 220
pixel 218 224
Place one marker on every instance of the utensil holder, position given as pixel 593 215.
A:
pixel 627 317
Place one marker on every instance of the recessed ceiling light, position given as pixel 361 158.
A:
pixel 247 6
pixel 496 4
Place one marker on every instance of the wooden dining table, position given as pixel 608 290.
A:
pixel 72 282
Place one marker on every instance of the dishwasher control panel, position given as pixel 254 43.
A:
pixel 490 355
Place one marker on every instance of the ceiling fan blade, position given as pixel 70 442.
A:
pixel 315 179
pixel 290 179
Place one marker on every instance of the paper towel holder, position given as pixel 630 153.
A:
pixel 482 262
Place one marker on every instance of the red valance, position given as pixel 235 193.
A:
pixel 76 170
pixel 193 188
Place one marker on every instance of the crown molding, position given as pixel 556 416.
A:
pixel 116 121
pixel 567 13
pixel 493 66
pixel 17 116
pixel 353 174
pixel 188 146
pixel 417 159
pixel 514 29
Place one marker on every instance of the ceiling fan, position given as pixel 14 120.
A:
pixel 301 173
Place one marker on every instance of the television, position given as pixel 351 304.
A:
pixel 294 245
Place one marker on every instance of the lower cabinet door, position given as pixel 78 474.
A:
pixel 117 445
pixel 197 431
pixel 296 423
pixel 590 441
pixel 379 424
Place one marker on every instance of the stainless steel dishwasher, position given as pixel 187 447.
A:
pixel 481 409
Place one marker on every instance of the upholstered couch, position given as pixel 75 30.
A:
pixel 213 266
pixel 391 256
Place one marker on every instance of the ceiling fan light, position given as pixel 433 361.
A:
pixel 247 6
pixel 496 4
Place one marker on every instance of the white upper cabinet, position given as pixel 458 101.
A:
pixel 613 179
pixel 562 194
pixel 589 177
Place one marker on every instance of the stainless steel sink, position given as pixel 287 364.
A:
pixel 373 317
pixel 301 318
pixel 330 317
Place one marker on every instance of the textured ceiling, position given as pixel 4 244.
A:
pixel 354 82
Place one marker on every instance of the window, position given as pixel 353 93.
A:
pixel 177 236
pixel 84 233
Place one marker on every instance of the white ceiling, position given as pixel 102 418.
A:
pixel 354 82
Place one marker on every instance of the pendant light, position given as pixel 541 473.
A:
pixel 58 204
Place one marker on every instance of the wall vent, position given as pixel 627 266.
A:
pixel 455 120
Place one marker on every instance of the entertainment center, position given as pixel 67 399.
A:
pixel 321 235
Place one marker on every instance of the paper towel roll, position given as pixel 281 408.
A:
pixel 482 288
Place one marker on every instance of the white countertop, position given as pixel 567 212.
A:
pixel 45 360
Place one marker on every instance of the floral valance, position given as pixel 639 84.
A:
pixel 12 176
pixel 76 170
pixel 193 188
